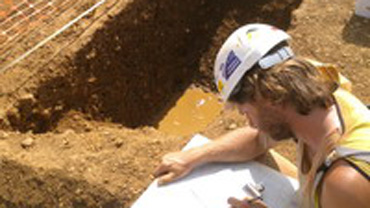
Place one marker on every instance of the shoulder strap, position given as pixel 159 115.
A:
pixel 340 153
pixel 350 152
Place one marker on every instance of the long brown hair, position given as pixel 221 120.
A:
pixel 296 82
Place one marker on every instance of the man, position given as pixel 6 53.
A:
pixel 287 97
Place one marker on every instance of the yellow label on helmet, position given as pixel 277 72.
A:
pixel 252 35
pixel 220 85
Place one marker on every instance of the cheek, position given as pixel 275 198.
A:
pixel 251 113
pixel 264 118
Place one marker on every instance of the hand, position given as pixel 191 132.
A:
pixel 246 203
pixel 173 166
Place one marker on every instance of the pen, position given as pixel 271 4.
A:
pixel 254 190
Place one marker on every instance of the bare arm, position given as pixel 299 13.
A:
pixel 239 145
pixel 344 187
pixel 242 144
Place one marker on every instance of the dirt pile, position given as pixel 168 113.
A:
pixel 335 35
pixel 107 167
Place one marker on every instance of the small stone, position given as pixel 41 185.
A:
pixel 78 191
pixel 45 113
pixel 119 144
pixel 12 113
pixel 65 142
pixel 92 79
pixel 233 126
pixel 3 135
pixel 155 142
pixel 69 132
pixel 58 108
pixel 27 99
pixel 28 142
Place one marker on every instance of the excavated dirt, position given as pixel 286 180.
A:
pixel 135 65
pixel 80 131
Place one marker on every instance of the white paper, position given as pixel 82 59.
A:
pixel 363 8
pixel 210 186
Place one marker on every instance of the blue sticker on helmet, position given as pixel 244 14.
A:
pixel 232 62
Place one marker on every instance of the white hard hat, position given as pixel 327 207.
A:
pixel 243 49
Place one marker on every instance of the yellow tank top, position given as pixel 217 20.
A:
pixel 354 144
pixel 355 118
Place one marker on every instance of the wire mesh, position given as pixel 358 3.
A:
pixel 25 24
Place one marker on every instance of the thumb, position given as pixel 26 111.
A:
pixel 166 178
pixel 160 170
pixel 236 203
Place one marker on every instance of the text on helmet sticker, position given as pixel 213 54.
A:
pixel 232 62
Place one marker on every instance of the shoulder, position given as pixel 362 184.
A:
pixel 343 186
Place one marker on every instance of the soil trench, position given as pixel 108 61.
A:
pixel 133 69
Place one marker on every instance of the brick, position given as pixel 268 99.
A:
pixel 47 10
pixel 18 29
pixel 12 13
pixel 16 2
pixel 65 5
pixel 35 17
pixel 23 7
pixel 3 14
pixel 2 19
pixel 41 4
pixel 13 32
pixel 59 3
pixel 32 1
pixel 16 19
pixel 39 17
pixel 3 39
pixel 5 26
pixel 29 11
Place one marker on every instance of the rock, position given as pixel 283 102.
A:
pixel 27 99
pixel 3 135
pixel 46 113
pixel 119 143
pixel 78 191
pixel 232 126
pixel 58 108
pixel 65 142
pixel 28 142
pixel 12 113
pixel 92 79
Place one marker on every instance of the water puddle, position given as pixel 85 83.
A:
pixel 192 113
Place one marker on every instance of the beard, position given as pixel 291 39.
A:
pixel 273 124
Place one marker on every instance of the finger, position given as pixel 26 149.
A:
pixel 259 204
pixel 256 202
pixel 236 203
pixel 160 170
pixel 169 177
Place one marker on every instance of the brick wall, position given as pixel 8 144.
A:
pixel 18 17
